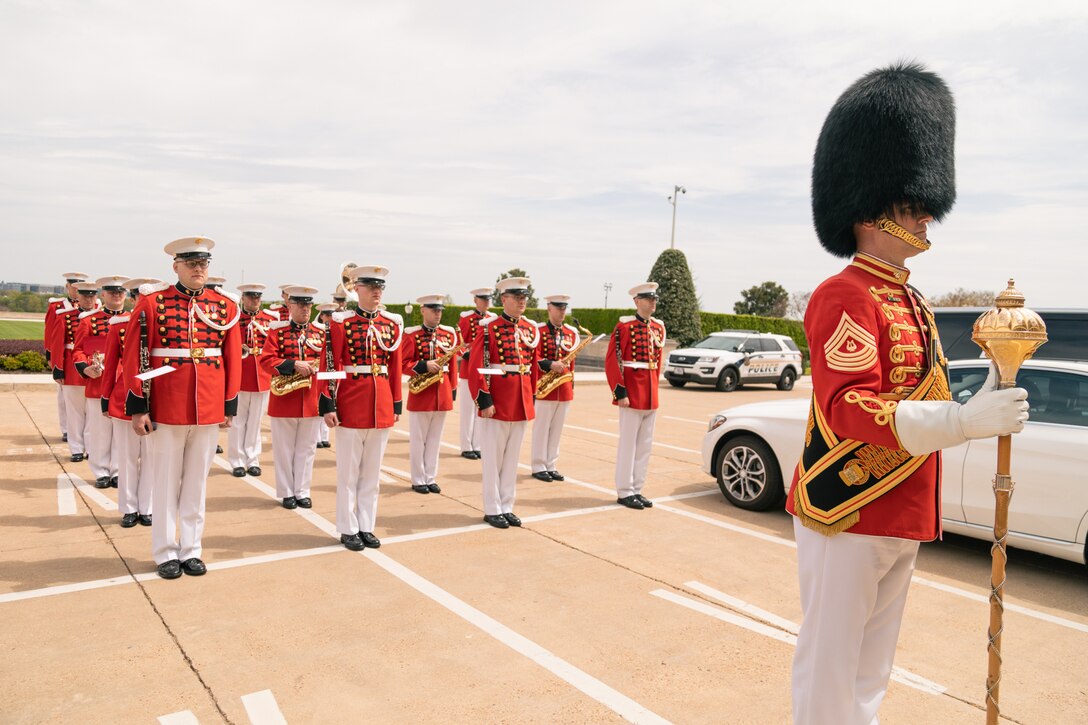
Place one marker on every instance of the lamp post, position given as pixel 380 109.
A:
pixel 676 191
pixel 607 289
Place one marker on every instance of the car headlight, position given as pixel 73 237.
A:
pixel 715 422
pixel 707 359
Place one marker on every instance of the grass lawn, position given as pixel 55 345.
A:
pixel 21 329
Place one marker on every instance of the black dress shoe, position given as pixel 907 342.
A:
pixel 113 481
pixel 352 542
pixel 420 488
pixel 434 488
pixel 543 476
pixel 290 502
pixel 646 503
pixel 478 455
pixel 77 457
pixel 318 445
pixel 219 449
pixel 304 502
pixel 471 455
pixel 170 569
pixel 326 444
pixel 102 482
pixel 630 502
pixel 238 472
pixel 557 476
pixel 254 470
pixel 194 567
pixel 512 519
pixel 145 519
pixel 129 520
pixel 64 437
pixel 499 521
pixel 369 540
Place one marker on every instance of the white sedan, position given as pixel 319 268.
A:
pixel 752 450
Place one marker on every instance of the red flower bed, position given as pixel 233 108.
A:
pixel 14 347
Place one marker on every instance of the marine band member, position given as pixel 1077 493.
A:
pixel 58 305
pixel 191 332
pixel 244 444
pixel 62 357
pixel 501 384
pixel 365 345
pixel 133 452
pixel 89 358
pixel 632 366
pixel 866 491
pixel 557 339
pixel 427 409
pixel 468 327
pixel 280 309
pixel 293 347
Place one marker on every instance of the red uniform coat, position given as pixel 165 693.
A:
pixel 287 342
pixel 555 343
pixel 57 305
pixel 254 329
pixel 468 327
pixel 62 347
pixel 504 341
pixel 202 389
pixel 868 335
pixel 420 345
pixel 356 339
pixel 90 341
pixel 279 311
pixel 113 385
pixel 640 341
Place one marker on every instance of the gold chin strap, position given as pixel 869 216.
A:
pixel 887 225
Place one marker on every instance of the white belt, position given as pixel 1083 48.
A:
pixel 365 369
pixel 70 346
pixel 636 365
pixel 505 369
pixel 196 352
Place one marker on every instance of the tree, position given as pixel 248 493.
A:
pixel 769 299
pixel 798 303
pixel 496 298
pixel 961 297
pixel 678 306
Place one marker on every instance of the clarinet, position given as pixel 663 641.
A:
pixel 330 365
pixel 145 359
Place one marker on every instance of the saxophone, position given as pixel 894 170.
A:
pixel 284 384
pixel 552 380
pixel 420 382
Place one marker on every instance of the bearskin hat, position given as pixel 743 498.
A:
pixel 888 139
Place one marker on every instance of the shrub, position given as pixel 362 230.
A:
pixel 678 307
pixel 31 360
pixel 10 362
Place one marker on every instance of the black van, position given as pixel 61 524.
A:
pixel 1067 333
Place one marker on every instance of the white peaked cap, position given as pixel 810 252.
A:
pixel 558 298
pixel 646 288
pixel 201 246
pixel 370 271
pixel 482 292
pixel 513 283
pixel 431 300
pixel 135 282
pixel 251 287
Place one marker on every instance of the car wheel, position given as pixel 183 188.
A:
pixel 727 381
pixel 748 474
pixel 787 380
pixel 677 383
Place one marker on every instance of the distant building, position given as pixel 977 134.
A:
pixel 46 289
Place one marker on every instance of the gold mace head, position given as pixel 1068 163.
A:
pixel 1009 333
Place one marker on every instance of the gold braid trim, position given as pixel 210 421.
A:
pixel 821 528
pixel 887 225
pixel 882 410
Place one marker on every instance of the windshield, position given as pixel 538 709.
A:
pixel 723 342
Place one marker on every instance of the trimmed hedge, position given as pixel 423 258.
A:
pixel 27 360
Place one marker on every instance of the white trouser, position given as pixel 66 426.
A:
pixel 547 428
pixel 470 438
pixel 853 591
pixel 75 411
pixel 293 441
pixel 322 430
pixel 424 440
pixel 244 435
pixel 62 414
pixel 133 468
pixel 359 454
pixel 500 446
pixel 180 458
pixel 633 451
pixel 101 453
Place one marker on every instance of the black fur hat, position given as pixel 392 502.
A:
pixel 889 138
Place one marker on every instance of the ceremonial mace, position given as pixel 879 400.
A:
pixel 1009 334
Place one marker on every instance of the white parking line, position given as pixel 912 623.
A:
pixel 185 717
pixel 92 493
pixel 688 420
pixel 789 636
pixel 262 709
pixel 66 496
pixel 616 435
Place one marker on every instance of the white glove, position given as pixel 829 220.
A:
pixel 925 426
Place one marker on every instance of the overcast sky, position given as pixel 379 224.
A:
pixel 451 141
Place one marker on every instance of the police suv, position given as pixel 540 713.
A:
pixel 736 357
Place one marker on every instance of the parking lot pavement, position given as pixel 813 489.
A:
pixel 589 613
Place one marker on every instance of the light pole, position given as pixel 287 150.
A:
pixel 607 289
pixel 676 191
